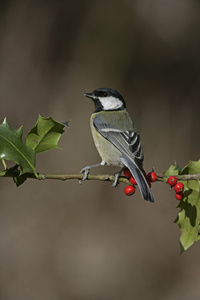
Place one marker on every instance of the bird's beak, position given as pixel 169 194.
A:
pixel 89 95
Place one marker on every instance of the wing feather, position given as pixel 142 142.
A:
pixel 128 143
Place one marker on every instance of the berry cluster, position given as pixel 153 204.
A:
pixel 178 187
pixel 130 189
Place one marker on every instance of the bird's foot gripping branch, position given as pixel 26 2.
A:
pixel 45 135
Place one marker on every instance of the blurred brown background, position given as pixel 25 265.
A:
pixel 62 240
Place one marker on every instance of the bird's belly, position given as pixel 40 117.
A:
pixel 108 152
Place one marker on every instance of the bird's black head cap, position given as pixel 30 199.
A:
pixel 107 99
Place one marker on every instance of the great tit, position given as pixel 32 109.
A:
pixel 116 138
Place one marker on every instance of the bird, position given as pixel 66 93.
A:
pixel 116 138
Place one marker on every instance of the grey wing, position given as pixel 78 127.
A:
pixel 128 143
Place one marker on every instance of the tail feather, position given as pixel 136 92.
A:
pixel 139 178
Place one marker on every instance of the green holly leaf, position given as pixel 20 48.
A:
pixel 189 216
pixel 193 167
pixel 19 180
pixel 12 148
pixel 188 219
pixel 173 170
pixel 45 134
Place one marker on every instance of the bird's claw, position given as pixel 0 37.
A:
pixel 86 172
pixel 115 183
pixel 117 175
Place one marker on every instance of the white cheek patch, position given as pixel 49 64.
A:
pixel 110 103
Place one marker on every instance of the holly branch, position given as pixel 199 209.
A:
pixel 14 172
pixel 42 176
pixel 45 135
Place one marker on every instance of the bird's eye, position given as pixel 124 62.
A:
pixel 104 94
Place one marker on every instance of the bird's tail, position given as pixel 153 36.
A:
pixel 139 178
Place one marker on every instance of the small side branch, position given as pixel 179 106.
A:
pixel 180 177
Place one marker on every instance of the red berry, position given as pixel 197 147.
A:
pixel 127 173
pixel 132 180
pixel 129 190
pixel 151 177
pixel 179 196
pixel 172 180
pixel 179 188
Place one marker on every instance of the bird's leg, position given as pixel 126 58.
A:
pixel 117 175
pixel 86 170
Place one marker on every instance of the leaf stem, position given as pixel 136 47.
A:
pixel 4 164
